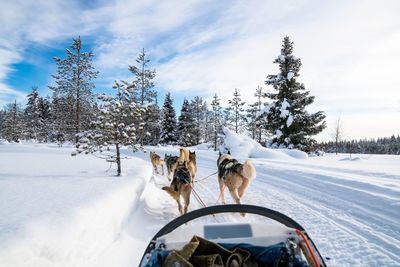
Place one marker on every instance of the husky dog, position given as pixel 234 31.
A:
pixel 183 154
pixel 180 186
pixel 234 175
pixel 156 160
pixel 192 166
pixel 171 162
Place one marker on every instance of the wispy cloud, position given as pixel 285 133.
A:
pixel 348 48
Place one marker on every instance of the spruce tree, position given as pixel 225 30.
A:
pixel 153 122
pixel 13 127
pixel 62 124
pixel 109 128
pixel 74 83
pixel 45 119
pixel 141 91
pixel 216 120
pixel 287 117
pixel 198 109
pixel 33 122
pixel 186 126
pixel 238 118
pixel 168 123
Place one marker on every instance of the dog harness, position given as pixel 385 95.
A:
pixel 182 176
pixel 227 166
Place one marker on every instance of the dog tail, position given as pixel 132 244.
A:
pixel 249 171
pixel 174 194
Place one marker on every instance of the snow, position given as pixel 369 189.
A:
pixel 58 210
pixel 245 147
pixel 290 75
pixel 289 120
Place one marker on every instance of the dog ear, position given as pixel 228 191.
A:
pixel 220 154
pixel 229 152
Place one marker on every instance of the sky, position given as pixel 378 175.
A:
pixel 349 51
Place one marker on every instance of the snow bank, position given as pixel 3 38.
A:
pixel 66 213
pixel 243 146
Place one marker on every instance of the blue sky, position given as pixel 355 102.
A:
pixel 348 50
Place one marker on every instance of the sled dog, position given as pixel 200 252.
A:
pixel 170 162
pixel 189 157
pixel 180 186
pixel 192 166
pixel 183 154
pixel 156 160
pixel 235 176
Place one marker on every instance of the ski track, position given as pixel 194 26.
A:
pixel 353 223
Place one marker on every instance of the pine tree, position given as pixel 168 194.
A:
pixel 216 120
pixel 198 109
pixel 287 117
pixel 251 114
pixel 238 119
pixel 12 126
pixel 168 123
pixel 227 118
pixel 141 90
pixel 3 114
pixel 153 121
pixel 33 122
pixel 186 126
pixel 45 119
pixel 62 124
pixel 74 83
pixel 109 129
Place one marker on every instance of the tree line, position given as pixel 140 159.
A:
pixel 385 145
pixel 132 116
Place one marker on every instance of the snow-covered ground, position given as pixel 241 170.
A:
pixel 58 210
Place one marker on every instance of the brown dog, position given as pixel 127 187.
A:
pixel 234 175
pixel 189 157
pixel 180 186
pixel 192 166
pixel 183 154
pixel 156 160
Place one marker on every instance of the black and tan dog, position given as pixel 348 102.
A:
pixel 156 160
pixel 181 185
pixel 170 162
pixel 234 175
pixel 189 157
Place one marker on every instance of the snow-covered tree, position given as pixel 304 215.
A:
pixel 227 118
pixel 61 122
pixel 198 109
pixel 168 123
pixel 109 128
pixel 74 82
pixel 186 126
pixel 141 91
pixel 238 119
pixel 287 117
pixel 13 126
pixel 216 120
pixel 153 122
pixel 33 122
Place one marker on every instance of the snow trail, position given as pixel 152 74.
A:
pixel 74 213
pixel 352 215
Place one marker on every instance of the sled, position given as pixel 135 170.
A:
pixel 275 241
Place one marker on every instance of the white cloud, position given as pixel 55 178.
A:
pixel 348 48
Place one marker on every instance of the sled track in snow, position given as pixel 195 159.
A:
pixel 350 220
pixel 350 214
